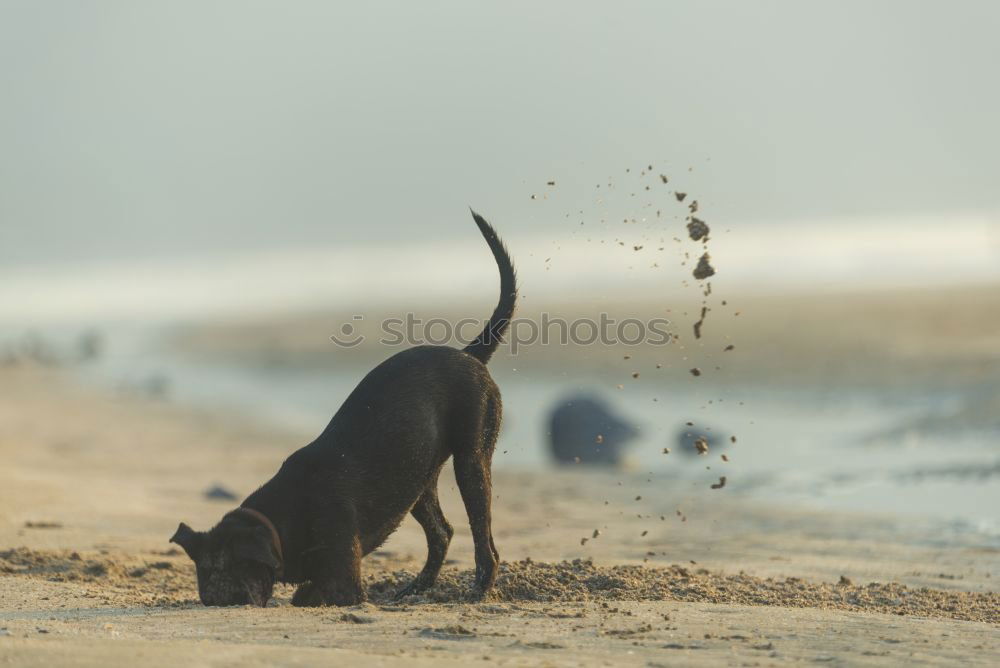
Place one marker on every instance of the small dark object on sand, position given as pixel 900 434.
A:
pixel 90 345
pixel 43 525
pixel 455 632
pixel 550 183
pixel 356 619
pixel 728 348
pixel 697 229
pixel 586 429
pixel 704 269
pixel 720 484
pixel 680 196
pixel 663 177
pixel 696 371
pixel 219 493
pixel 701 445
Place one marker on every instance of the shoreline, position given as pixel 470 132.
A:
pixel 845 402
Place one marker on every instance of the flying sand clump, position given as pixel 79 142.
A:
pixel 704 268
pixel 697 229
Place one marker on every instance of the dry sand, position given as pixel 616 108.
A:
pixel 103 481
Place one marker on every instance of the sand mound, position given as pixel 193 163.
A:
pixel 167 580
pixel 583 581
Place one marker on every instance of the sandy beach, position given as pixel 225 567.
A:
pixel 94 482
pixel 733 267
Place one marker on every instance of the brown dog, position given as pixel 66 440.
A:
pixel 341 496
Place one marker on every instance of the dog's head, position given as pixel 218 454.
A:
pixel 237 561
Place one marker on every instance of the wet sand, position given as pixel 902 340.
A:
pixel 692 576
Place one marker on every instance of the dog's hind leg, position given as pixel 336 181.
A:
pixel 473 476
pixel 472 472
pixel 427 511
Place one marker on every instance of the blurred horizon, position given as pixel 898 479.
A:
pixel 833 257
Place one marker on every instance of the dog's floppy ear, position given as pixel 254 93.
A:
pixel 257 545
pixel 189 539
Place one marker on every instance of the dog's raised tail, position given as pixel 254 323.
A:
pixel 492 335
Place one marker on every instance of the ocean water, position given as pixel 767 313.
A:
pixel 800 446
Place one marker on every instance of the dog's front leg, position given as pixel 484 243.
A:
pixel 333 567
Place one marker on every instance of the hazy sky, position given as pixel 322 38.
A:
pixel 137 128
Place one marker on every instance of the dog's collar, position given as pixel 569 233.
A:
pixel 263 519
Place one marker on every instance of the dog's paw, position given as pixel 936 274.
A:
pixel 312 595
pixel 343 596
pixel 417 586
pixel 307 596
pixel 483 585
pixel 479 595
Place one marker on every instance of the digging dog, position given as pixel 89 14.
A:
pixel 339 498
